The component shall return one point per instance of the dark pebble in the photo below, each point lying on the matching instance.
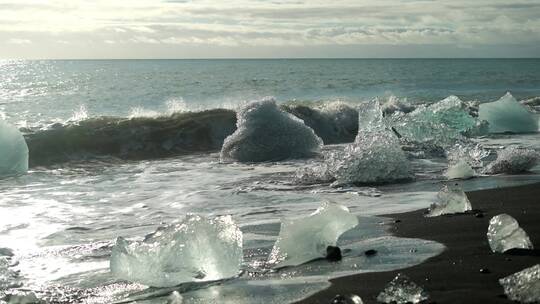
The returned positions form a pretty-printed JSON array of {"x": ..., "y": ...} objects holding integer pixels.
[
  {"x": 479, "y": 215},
  {"x": 397, "y": 221},
  {"x": 333, "y": 253},
  {"x": 370, "y": 252},
  {"x": 484, "y": 270},
  {"x": 339, "y": 299}
]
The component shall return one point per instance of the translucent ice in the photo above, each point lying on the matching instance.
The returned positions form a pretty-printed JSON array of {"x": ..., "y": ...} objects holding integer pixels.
[
  {"x": 175, "y": 298},
  {"x": 504, "y": 233},
  {"x": 508, "y": 115},
  {"x": 394, "y": 104},
  {"x": 512, "y": 160},
  {"x": 449, "y": 201},
  {"x": 375, "y": 157},
  {"x": 441, "y": 123},
  {"x": 13, "y": 151},
  {"x": 266, "y": 133},
  {"x": 196, "y": 249},
  {"x": 401, "y": 290},
  {"x": 523, "y": 286},
  {"x": 304, "y": 239},
  {"x": 459, "y": 170},
  {"x": 471, "y": 154}
]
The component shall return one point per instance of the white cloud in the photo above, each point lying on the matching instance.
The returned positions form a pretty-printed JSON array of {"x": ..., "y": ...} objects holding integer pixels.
[
  {"x": 18, "y": 41},
  {"x": 292, "y": 23}
]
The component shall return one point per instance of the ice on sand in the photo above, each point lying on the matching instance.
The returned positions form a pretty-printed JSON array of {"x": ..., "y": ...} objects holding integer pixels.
[
  {"x": 266, "y": 133},
  {"x": 402, "y": 290},
  {"x": 306, "y": 238},
  {"x": 523, "y": 286},
  {"x": 196, "y": 249},
  {"x": 13, "y": 151},
  {"x": 449, "y": 200},
  {"x": 508, "y": 115},
  {"x": 459, "y": 170},
  {"x": 504, "y": 233}
]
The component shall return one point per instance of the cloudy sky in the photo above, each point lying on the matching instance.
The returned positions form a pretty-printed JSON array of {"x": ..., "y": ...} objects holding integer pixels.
[{"x": 268, "y": 28}]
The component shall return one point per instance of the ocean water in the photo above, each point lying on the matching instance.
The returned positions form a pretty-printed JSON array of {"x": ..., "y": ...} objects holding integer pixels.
[{"x": 61, "y": 219}]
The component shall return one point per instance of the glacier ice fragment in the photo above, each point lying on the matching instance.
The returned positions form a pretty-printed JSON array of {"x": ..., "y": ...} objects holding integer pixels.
[
  {"x": 441, "y": 124},
  {"x": 513, "y": 159},
  {"x": 306, "y": 238},
  {"x": 459, "y": 170},
  {"x": 450, "y": 200},
  {"x": 504, "y": 233},
  {"x": 266, "y": 133},
  {"x": 401, "y": 290},
  {"x": 13, "y": 151},
  {"x": 196, "y": 249},
  {"x": 394, "y": 104},
  {"x": 523, "y": 286},
  {"x": 508, "y": 115}
]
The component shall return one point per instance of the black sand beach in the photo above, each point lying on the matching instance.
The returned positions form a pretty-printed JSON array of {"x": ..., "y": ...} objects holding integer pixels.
[{"x": 455, "y": 276}]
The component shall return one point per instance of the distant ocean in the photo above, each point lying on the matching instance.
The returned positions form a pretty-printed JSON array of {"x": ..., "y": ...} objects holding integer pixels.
[{"x": 123, "y": 147}]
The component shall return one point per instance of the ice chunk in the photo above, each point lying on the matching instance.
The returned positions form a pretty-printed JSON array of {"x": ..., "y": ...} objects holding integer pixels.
[
  {"x": 512, "y": 160},
  {"x": 13, "y": 151},
  {"x": 306, "y": 238},
  {"x": 196, "y": 249},
  {"x": 441, "y": 124},
  {"x": 401, "y": 290},
  {"x": 266, "y": 133},
  {"x": 504, "y": 233},
  {"x": 523, "y": 286},
  {"x": 472, "y": 154},
  {"x": 376, "y": 157},
  {"x": 22, "y": 297},
  {"x": 459, "y": 170},
  {"x": 508, "y": 115},
  {"x": 449, "y": 201}
]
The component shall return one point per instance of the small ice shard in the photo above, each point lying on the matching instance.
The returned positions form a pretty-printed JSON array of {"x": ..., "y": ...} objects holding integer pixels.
[
  {"x": 459, "y": 170},
  {"x": 175, "y": 298},
  {"x": 523, "y": 286},
  {"x": 504, "y": 234},
  {"x": 449, "y": 201},
  {"x": 401, "y": 290},
  {"x": 196, "y": 249},
  {"x": 472, "y": 154},
  {"x": 508, "y": 115},
  {"x": 266, "y": 133},
  {"x": 13, "y": 151},
  {"x": 370, "y": 116},
  {"x": 306, "y": 238},
  {"x": 513, "y": 160}
]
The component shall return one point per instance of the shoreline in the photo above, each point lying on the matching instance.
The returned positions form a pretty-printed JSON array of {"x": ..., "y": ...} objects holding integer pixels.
[{"x": 454, "y": 276}]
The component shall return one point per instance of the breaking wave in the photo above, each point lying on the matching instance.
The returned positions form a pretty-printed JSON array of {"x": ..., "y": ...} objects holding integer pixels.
[{"x": 146, "y": 134}]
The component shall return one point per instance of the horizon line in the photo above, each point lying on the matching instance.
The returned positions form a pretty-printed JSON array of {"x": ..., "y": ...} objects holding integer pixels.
[{"x": 277, "y": 58}]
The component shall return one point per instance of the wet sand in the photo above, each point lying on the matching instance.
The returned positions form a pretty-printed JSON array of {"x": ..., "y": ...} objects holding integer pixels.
[{"x": 454, "y": 276}]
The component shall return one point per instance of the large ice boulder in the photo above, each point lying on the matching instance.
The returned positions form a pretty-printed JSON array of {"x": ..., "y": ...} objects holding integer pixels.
[
  {"x": 504, "y": 234},
  {"x": 306, "y": 238},
  {"x": 13, "y": 151},
  {"x": 508, "y": 115},
  {"x": 523, "y": 286},
  {"x": 513, "y": 159},
  {"x": 401, "y": 290},
  {"x": 266, "y": 133},
  {"x": 440, "y": 124},
  {"x": 450, "y": 200},
  {"x": 196, "y": 249}
]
